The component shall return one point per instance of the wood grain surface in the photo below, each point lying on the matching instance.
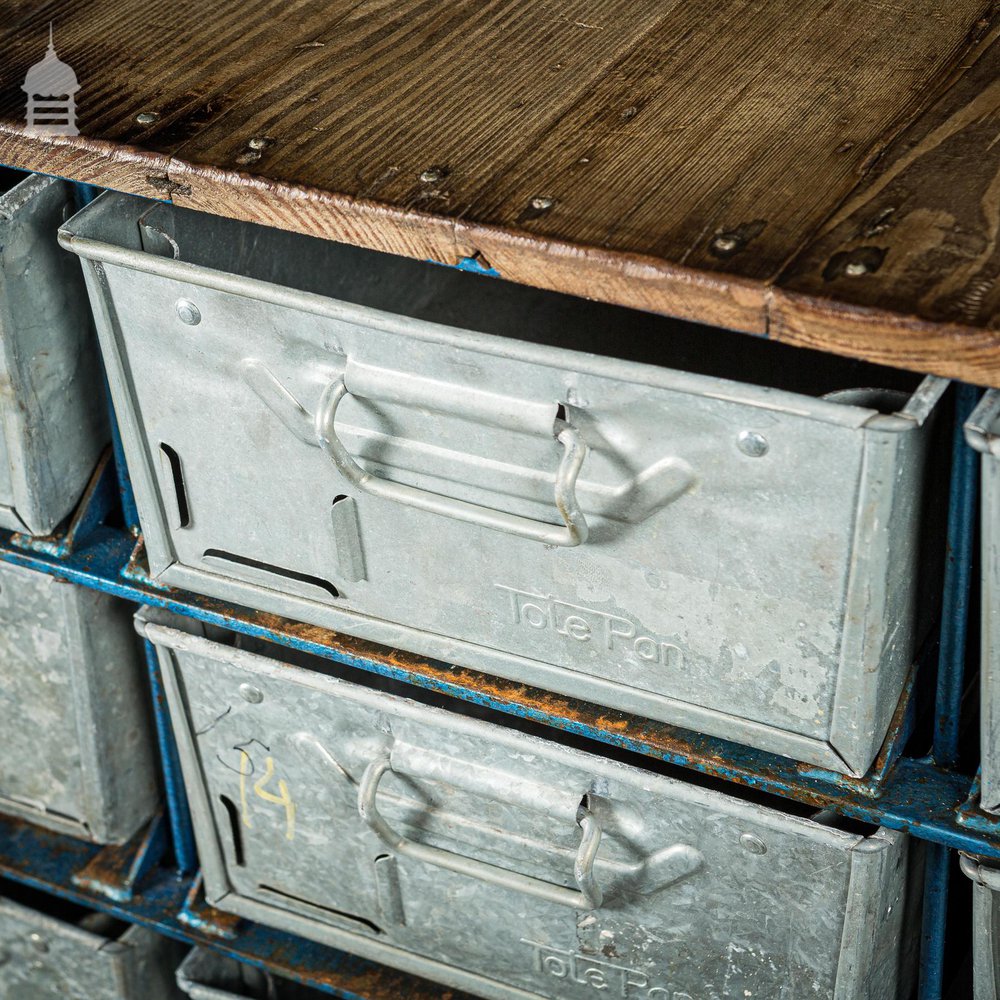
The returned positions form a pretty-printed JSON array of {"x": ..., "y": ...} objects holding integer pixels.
[{"x": 821, "y": 172}]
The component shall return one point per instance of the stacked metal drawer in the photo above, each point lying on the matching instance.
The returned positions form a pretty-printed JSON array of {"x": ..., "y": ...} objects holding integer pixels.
[
  {"x": 76, "y": 754},
  {"x": 53, "y": 419},
  {"x": 568, "y": 496},
  {"x": 507, "y": 865},
  {"x": 738, "y": 559},
  {"x": 75, "y": 954}
]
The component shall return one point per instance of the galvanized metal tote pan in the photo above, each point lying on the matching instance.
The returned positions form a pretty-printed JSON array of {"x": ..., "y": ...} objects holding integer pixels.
[
  {"x": 81, "y": 955},
  {"x": 982, "y": 431},
  {"x": 53, "y": 416},
  {"x": 77, "y": 751},
  {"x": 738, "y": 559},
  {"x": 509, "y": 865}
]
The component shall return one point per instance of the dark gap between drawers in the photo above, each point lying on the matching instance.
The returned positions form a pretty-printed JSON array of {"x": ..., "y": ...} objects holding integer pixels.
[
  {"x": 425, "y": 291},
  {"x": 94, "y": 921}
]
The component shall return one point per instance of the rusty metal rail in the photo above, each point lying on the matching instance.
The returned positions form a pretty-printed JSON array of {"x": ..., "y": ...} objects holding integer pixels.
[{"x": 934, "y": 803}]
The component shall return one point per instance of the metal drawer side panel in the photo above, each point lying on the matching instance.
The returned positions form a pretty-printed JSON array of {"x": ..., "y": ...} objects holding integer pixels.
[
  {"x": 77, "y": 755},
  {"x": 53, "y": 413},
  {"x": 49, "y": 959},
  {"x": 889, "y": 557},
  {"x": 982, "y": 431},
  {"x": 781, "y": 664},
  {"x": 985, "y": 943},
  {"x": 290, "y": 848}
]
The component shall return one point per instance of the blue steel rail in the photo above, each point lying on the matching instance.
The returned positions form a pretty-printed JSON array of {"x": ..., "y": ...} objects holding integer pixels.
[{"x": 915, "y": 795}]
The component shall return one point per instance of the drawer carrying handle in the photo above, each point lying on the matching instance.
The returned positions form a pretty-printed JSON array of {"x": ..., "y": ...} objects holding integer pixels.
[
  {"x": 573, "y": 531},
  {"x": 589, "y": 896}
]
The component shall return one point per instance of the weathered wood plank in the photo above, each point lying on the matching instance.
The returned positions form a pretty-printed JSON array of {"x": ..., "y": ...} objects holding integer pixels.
[
  {"x": 920, "y": 238},
  {"x": 732, "y": 130},
  {"x": 625, "y": 279},
  {"x": 664, "y": 155}
]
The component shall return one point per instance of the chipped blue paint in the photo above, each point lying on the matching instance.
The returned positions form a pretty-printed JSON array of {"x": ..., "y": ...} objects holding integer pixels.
[{"x": 471, "y": 264}]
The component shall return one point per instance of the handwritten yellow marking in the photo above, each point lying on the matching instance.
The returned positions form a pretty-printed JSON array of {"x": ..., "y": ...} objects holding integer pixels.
[
  {"x": 282, "y": 799},
  {"x": 246, "y": 767}
]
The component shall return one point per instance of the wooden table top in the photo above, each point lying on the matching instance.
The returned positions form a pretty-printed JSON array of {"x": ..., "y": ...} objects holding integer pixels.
[{"x": 822, "y": 172}]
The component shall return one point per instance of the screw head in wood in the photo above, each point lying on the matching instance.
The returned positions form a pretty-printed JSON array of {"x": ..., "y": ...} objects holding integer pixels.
[
  {"x": 855, "y": 268},
  {"x": 725, "y": 243},
  {"x": 433, "y": 175}
]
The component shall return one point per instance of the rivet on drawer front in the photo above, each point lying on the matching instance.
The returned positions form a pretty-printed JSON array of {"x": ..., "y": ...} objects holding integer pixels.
[
  {"x": 752, "y": 844},
  {"x": 753, "y": 444},
  {"x": 38, "y": 942},
  {"x": 251, "y": 694},
  {"x": 188, "y": 312}
]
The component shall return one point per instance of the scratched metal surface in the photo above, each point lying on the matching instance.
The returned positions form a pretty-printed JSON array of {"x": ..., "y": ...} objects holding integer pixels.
[
  {"x": 452, "y": 848},
  {"x": 46, "y": 957},
  {"x": 53, "y": 420},
  {"x": 793, "y": 518},
  {"x": 76, "y": 752}
]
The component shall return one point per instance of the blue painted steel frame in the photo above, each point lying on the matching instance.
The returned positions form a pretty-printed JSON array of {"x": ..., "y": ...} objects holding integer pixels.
[
  {"x": 950, "y": 680},
  {"x": 906, "y": 794},
  {"x": 922, "y": 796}
]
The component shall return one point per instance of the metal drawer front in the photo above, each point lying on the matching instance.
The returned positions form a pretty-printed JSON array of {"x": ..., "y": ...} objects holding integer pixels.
[
  {"x": 982, "y": 431},
  {"x": 53, "y": 421},
  {"x": 46, "y": 958},
  {"x": 207, "y": 975},
  {"x": 735, "y": 559},
  {"x": 76, "y": 753},
  {"x": 508, "y": 865}
]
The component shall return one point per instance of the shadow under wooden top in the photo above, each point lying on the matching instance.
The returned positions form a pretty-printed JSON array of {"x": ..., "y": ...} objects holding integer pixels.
[{"x": 821, "y": 172}]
